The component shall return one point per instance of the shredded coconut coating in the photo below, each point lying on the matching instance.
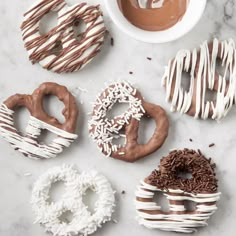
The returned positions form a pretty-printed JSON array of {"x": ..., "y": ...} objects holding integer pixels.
[{"x": 83, "y": 222}]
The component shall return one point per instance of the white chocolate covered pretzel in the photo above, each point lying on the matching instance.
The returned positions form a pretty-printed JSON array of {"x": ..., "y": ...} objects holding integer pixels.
[
  {"x": 59, "y": 49},
  {"x": 76, "y": 184}
]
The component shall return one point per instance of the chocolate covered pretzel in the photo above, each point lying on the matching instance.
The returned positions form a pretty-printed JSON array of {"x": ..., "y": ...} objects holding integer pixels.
[
  {"x": 49, "y": 214},
  {"x": 202, "y": 66},
  {"x": 39, "y": 120},
  {"x": 60, "y": 50},
  {"x": 201, "y": 189},
  {"x": 103, "y": 130}
]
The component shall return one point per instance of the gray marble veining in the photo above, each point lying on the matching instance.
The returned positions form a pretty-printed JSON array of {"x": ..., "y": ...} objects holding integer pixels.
[{"x": 18, "y": 75}]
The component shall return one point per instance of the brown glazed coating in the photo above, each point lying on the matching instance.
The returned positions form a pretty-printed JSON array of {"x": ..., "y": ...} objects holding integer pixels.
[
  {"x": 134, "y": 151},
  {"x": 154, "y": 19},
  {"x": 192, "y": 109},
  {"x": 187, "y": 161},
  {"x": 34, "y": 103}
]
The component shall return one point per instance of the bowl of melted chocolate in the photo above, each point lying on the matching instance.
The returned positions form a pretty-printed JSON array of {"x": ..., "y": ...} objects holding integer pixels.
[{"x": 156, "y": 21}]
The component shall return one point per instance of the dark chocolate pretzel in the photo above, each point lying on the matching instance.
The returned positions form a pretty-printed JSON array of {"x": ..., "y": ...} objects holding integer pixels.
[
  {"x": 201, "y": 65},
  {"x": 201, "y": 189},
  {"x": 102, "y": 130},
  {"x": 59, "y": 49},
  {"x": 39, "y": 120}
]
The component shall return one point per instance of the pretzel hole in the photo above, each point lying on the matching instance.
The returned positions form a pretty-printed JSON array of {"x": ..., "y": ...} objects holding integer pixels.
[
  {"x": 21, "y": 118},
  {"x": 221, "y": 69},
  {"x": 89, "y": 199},
  {"x": 52, "y": 105},
  {"x": 56, "y": 50},
  {"x": 184, "y": 174},
  {"x": 119, "y": 140},
  {"x": 66, "y": 217},
  {"x": 146, "y": 127},
  {"x": 185, "y": 81},
  {"x": 117, "y": 110},
  {"x": 161, "y": 200},
  {"x": 79, "y": 27},
  {"x": 46, "y": 137},
  {"x": 210, "y": 95},
  {"x": 190, "y": 206},
  {"x": 48, "y": 22},
  {"x": 56, "y": 191}
]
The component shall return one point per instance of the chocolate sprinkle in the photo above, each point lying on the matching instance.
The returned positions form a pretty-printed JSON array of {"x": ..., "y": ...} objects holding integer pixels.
[
  {"x": 131, "y": 72},
  {"x": 149, "y": 58},
  {"x": 123, "y": 192},
  {"x": 190, "y": 140},
  {"x": 212, "y": 145},
  {"x": 112, "y": 41},
  {"x": 178, "y": 161}
]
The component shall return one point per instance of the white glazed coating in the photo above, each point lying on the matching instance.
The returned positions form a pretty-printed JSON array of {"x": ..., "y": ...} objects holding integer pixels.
[
  {"x": 83, "y": 222},
  {"x": 28, "y": 144},
  {"x": 181, "y": 100},
  {"x": 102, "y": 130},
  {"x": 78, "y": 53},
  {"x": 177, "y": 220}
]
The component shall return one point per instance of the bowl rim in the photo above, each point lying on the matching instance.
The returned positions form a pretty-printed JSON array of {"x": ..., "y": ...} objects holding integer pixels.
[{"x": 190, "y": 19}]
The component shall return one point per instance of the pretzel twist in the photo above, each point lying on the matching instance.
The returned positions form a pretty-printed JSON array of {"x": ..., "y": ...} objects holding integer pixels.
[
  {"x": 39, "y": 120},
  {"x": 76, "y": 184},
  {"x": 200, "y": 189},
  {"x": 103, "y": 131},
  {"x": 74, "y": 54},
  {"x": 201, "y": 65}
]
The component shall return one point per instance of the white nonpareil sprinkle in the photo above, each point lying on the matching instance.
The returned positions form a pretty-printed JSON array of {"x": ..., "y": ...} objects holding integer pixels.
[
  {"x": 101, "y": 129},
  {"x": 83, "y": 222}
]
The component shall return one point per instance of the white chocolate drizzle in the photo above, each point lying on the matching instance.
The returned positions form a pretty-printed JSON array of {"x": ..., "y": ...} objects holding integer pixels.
[
  {"x": 76, "y": 184},
  {"x": 177, "y": 219},
  {"x": 28, "y": 144},
  {"x": 202, "y": 69},
  {"x": 153, "y": 3},
  {"x": 102, "y": 130}
]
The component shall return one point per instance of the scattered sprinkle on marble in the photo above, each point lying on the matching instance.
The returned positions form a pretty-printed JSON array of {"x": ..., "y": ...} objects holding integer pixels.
[
  {"x": 123, "y": 192},
  {"x": 27, "y": 174},
  {"x": 149, "y": 58},
  {"x": 199, "y": 151},
  {"x": 82, "y": 90},
  {"x": 211, "y": 145},
  {"x": 190, "y": 140},
  {"x": 112, "y": 41},
  {"x": 131, "y": 72}
]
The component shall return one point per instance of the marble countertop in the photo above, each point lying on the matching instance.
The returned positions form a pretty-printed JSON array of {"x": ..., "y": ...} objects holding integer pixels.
[{"x": 114, "y": 62}]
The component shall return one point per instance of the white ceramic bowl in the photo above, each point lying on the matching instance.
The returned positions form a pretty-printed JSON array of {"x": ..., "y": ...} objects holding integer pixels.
[{"x": 190, "y": 19}]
